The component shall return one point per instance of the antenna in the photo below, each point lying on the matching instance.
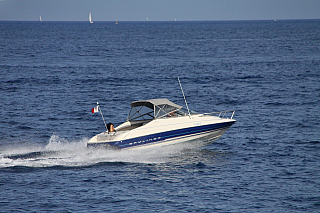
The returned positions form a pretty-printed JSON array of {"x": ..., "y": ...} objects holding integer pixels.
[
  {"x": 102, "y": 115},
  {"x": 185, "y": 100}
]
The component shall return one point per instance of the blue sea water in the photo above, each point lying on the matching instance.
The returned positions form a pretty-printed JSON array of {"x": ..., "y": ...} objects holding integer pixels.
[{"x": 53, "y": 73}]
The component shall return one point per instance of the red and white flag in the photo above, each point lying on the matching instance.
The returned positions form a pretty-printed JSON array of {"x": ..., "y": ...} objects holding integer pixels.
[{"x": 96, "y": 109}]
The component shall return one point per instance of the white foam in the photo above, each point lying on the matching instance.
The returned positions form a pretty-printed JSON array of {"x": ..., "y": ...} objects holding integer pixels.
[{"x": 61, "y": 152}]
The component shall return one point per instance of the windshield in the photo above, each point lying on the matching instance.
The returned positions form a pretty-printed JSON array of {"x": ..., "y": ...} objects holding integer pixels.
[
  {"x": 184, "y": 112},
  {"x": 161, "y": 111}
]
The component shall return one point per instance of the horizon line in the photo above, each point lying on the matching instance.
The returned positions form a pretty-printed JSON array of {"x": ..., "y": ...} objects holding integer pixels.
[{"x": 169, "y": 20}]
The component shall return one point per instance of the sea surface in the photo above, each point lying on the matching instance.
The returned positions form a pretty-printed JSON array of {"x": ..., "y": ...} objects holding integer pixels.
[{"x": 54, "y": 73}]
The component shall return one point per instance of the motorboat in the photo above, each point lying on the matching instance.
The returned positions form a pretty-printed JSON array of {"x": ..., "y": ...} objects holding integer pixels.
[{"x": 160, "y": 122}]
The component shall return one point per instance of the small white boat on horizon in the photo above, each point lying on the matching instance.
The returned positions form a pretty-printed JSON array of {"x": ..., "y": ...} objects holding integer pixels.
[{"x": 90, "y": 18}]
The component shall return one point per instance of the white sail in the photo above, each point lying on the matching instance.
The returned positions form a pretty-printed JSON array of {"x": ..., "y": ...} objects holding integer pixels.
[
  {"x": 90, "y": 19},
  {"x": 40, "y": 19}
]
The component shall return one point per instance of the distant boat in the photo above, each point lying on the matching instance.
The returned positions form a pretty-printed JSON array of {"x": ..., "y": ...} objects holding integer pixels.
[
  {"x": 90, "y": 19},
  {"x": 40, "y": 19},
  {"x": 116, "y": 21}
]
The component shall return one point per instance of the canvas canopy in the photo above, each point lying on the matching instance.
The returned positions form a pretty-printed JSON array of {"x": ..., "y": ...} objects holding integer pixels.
[
  {"x": 150, "y": 103},
  {"x": 151, "y": 109}
]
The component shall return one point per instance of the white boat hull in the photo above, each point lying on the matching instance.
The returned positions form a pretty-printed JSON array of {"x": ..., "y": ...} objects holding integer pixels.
[
  {"x": 206, "y": 139},
  {"x": 163, "y": 132}
]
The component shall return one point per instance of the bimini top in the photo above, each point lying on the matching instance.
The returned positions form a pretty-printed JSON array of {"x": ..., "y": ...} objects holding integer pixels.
[
  {"x": 150, "y": 103},
  {"x": 151, "y": 109}
]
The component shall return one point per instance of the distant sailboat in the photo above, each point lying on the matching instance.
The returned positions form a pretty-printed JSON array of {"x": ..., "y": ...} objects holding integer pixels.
[
  {"x": 40, "y": 19},
  {"x": 116, "y": 21},
  {"x": 90, "y": 19}
]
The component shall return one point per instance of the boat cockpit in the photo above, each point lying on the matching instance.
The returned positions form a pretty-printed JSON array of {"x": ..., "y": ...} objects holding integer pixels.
[{"x": 142, "y": 112}]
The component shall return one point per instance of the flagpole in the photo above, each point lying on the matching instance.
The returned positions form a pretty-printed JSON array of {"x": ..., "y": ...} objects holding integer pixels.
[{"x": 102, "y": 115}]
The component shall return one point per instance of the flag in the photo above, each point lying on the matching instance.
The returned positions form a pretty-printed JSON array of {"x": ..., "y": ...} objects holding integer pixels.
[{"x": 96, "y": 109}]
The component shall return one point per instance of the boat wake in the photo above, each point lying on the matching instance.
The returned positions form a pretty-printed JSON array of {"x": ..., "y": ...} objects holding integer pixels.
[{"x": 60, "y": 152}]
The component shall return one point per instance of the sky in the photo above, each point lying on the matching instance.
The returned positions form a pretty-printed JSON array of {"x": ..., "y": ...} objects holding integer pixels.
[{"x": 158, "y": 10}]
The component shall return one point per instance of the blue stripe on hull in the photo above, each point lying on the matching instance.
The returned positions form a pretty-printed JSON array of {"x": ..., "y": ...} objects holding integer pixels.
[{"x": 154, "y": 138}]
